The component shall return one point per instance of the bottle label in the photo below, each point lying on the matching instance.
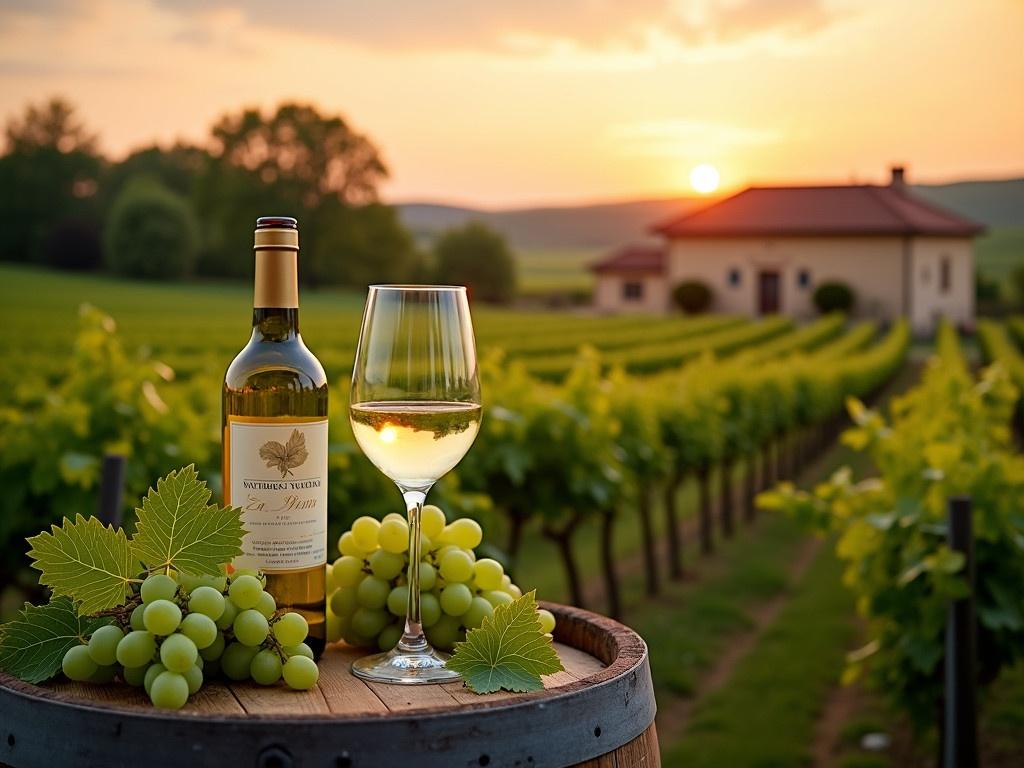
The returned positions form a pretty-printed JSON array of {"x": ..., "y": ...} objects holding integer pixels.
[{"x": 277, "y": 473}]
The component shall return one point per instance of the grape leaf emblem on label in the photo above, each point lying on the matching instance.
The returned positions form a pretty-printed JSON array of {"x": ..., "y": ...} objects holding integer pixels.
[{"x": 287, "y": 457}]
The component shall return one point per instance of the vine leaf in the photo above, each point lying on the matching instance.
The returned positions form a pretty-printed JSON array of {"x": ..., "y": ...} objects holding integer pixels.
[
  {"x": 86, "y": 561},
  {"x": 285, "y": 457},
  {"x": 508, "y": 651},
  {"x": 33, "y": 645},
  {"x": 178, "y": 527}
]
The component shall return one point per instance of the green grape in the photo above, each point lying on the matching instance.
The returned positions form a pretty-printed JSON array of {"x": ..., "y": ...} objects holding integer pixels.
[
  {"x": 547, "y": 620},
  {"x": 136, "y": 649},
  {"x": 354, "y": 638},
  {"x": 368, "y": 622},
  {"x": 159, "y": 586},
  {"x": 178, "y": 653},
  {"x": 514, "y": 591},
  {"x": 236, "y": 660},
  {"x": 214, "y": 649},
  {"x": 394, "y": 536},
  {"x": 329, "y": 577},
  {"x": 465, "y": 533},
  {"x": 348, "y": 571},
  {"x": 392, "y": 516},
  {"x": 227, "y": 618},
  {"x": 266, "y": 605},
  {"x": 428, "y": 577},
  {"x": 161, "y": 617},
  {"x": 291, "y": 629},
  {"x": 152, "y": 673},
  {"x": 372, "y": 592},
  {"x": 258, "y": 575},
  {"x": 135, "y": 676},
  {"x": 78, "y": 664},
  {"x": 194, "y": 677},
  {"x": 430, "y": 609},
  {"x": 398, "y": 599},
  {"x": 300, "y": 673},
  {"x": 103, "y": 645},
  {"x": 364, "y": 531},
  {"x": 389, "y": 637},
  {"x": 456, "y": 566},
  {"x": 207, "y": 601},
  {"x": 426, "y": 545},
  {"x": 104, "y": 674},
  {"x": 265, "y": 667},
  {"x": 496, "y": 598},
  {"x": 456, "y": 599},
  {"x": 200, "y": 629},
  {"x": 386, "y": 565},
  {"x": 443, "y": 551},
  {"x": 135, "y": 620},
  {"x": 190, "y": 583},
  {"x": 334, "y": 624},
  {"x": 347, "y": 546},
  {"x": 488, "y": 573},
  {"x": 343, "y": 602},
  {"x": 200, "y": 662},
  {"x": 479, "y": 609},
  {"x": 169, "y": 691},
  {"x": 251, "y": 627},
  {"x": 245, "y": 591},
  {"x": 444, "y": 633},
  {"x": 432, "y": 521},
  {"x": 298, "y": 650}
]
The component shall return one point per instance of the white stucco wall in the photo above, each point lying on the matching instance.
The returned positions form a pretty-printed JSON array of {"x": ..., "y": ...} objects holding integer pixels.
[
  {"x": 609, "y": 297},
  {"x": 872, "y": 266},
  {"x": 929, "y": 301}
]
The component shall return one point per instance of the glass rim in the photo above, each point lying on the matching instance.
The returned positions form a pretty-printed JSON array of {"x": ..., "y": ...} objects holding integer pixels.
[{"x": 414, "y": 287}]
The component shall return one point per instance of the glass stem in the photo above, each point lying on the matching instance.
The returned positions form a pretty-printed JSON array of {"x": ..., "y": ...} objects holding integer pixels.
[{"x": 413, "y": 639}]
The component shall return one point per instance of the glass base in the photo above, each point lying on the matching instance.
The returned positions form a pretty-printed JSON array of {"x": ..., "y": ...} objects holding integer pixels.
[{"x": 405, "y": 667}]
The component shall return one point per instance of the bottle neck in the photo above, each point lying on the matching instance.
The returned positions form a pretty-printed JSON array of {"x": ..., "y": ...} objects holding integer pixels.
[{"x": 275, "y": 323}]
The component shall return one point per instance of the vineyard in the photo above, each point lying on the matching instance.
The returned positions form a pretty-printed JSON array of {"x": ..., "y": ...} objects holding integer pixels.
[{"x": 618, "y": 457}]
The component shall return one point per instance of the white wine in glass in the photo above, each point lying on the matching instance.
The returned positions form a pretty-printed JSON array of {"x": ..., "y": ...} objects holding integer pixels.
[{"x": 415, "y": 411}]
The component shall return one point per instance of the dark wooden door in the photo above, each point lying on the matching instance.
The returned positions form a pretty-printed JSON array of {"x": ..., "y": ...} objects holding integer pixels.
[{"x": 769, "y": 286}]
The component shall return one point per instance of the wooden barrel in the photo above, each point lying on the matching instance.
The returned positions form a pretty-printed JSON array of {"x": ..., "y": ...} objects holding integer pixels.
[{"x": 598, "y": 712}]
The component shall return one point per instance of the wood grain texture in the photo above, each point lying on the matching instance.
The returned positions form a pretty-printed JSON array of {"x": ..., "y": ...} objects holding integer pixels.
[{"x": 599, "y": 710}]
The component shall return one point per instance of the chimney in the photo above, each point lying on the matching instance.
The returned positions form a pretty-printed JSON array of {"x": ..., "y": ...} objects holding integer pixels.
[{"x": 896, "y": 181}]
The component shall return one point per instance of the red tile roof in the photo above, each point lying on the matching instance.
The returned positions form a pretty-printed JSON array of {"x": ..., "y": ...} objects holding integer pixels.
[
  {"x": 804, "y": 211},
  {"x": 635, "y": 259}
]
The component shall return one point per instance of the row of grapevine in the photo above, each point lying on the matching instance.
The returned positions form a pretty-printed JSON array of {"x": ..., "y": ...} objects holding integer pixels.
[
  {"x": 602, "y": 445},
  {"x": 947, "y": 437}
]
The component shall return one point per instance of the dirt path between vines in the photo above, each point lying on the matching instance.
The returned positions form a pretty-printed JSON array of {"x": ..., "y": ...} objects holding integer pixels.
[{"x": 674, "y": 717}]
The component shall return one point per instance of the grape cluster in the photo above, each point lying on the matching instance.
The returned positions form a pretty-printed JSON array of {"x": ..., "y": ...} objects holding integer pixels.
[
  {"x": 369, "y": 588},
  {"x": 183, "y": 628}
]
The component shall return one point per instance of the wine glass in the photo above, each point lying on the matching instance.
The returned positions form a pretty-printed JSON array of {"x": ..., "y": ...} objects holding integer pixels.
[{"x": 415, "y": 411}]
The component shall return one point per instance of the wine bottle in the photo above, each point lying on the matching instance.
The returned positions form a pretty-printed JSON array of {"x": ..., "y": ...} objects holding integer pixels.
[{"x": 274, "y": 423}]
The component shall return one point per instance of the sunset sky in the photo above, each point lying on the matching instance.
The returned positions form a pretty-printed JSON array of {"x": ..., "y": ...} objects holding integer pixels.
[{"x": 531, "y": 101}]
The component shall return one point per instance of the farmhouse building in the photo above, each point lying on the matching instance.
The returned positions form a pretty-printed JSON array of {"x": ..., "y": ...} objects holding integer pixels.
[{"x": 765, "y": 249}]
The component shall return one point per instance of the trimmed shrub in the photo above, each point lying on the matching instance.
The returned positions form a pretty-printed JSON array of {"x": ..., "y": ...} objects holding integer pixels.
[
  {"x": 834, "y": 297},
  {"x": 479, "y": 258},
  {"x": 692, "y": 296},
  {"x": 151, "y": 233}
]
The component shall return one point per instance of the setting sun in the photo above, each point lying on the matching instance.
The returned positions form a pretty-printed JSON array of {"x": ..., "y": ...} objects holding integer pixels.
[{"x": 704, "y": 178}]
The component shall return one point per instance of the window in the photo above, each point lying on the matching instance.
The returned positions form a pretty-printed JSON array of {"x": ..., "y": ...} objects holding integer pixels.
[
  {"x": 632, "y": 291},
  {"x": 945, "y": 275},
  {"x": 734, "y": 277},
  {"x": 803, "y": 278}
]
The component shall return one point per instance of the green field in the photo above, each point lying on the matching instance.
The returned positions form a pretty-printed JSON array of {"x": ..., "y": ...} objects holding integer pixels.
[
  {"x": 1000, "y": 252},
  {"x": 555, "y": 270}
]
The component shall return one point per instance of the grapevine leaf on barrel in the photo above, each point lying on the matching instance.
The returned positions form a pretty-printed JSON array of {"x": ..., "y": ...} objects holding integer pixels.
[
  {"x": 508, "y": 651},
  {"x": 86, "y": 561},
  {"x": 177, "y": 526},
  {"x": 32, "y": 645}
]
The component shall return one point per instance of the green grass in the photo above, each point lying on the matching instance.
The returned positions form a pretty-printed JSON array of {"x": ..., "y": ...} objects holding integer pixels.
[
  {"x": 766, "y": 715},
  {"x": 549, "y": 270}
]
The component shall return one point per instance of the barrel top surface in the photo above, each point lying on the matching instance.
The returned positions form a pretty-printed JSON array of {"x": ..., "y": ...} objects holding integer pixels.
[
  {"x": 592, "y": 649},
  {"x": 603, "y": 700}
]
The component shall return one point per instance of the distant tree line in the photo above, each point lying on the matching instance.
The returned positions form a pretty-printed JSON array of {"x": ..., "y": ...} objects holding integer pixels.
[{"x": 189, "y": 210}]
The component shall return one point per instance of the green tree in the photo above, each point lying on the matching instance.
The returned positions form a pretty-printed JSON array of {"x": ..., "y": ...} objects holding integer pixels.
[
  {"x": 151, "y": 232},
  {"x": 478, "y": 257},
  {"x": 49, "y": 179}
]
